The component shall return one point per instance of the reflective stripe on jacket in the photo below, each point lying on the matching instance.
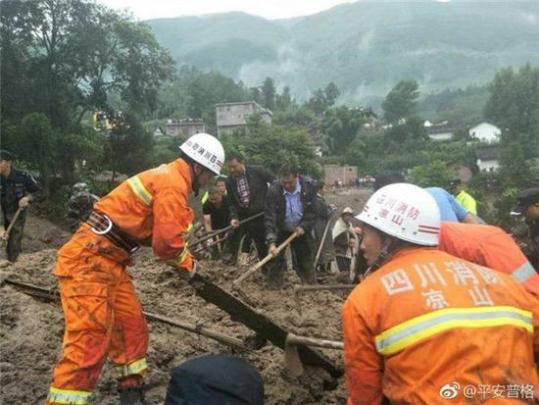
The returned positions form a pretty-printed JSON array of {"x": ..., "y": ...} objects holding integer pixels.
[
  {"x": 427, "y": 319},
  {"x": 491, "y": 247},
  {"x": 154, "y": 204}
]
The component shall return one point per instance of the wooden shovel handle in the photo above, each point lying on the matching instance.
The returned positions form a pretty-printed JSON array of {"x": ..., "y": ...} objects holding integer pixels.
[
  {"x": 309, "y": 341},
  {"x": 265, "y": 259},
  {"x": 223, "y": 230},
  {"x": 11, "y": 223}
]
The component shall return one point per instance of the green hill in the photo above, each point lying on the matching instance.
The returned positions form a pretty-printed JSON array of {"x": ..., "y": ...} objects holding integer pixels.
[{"x": 364, "y": 47}]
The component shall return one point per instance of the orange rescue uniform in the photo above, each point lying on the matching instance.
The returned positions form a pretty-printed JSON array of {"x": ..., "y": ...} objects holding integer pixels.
[
  {"x": 103, "y": 316},
  {"x": 427, "y": 322},
  {"x": 491, "y": 247}
]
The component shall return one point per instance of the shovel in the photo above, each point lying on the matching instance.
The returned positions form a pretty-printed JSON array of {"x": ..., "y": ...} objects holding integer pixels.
[
  {"x": 324, "y": 234},
  {"x": 266, "y": 259},
  {"x": 5, "y": 237},
  {"x": 226, "y": 229},
  {"x": 355, "y": 251},
  {"x": 292, "y": 360}
]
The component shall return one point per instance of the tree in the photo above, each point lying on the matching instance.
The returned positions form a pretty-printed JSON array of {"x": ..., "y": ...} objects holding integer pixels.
[
  {"x": 515, "y": 169},
  {"x": 73, "y": 55},
  {"x": 36, "y": 142},
  {"x": 129, "y": 147},
  {"x": 401, "y": 101},
  {"x": 268, "y": 93},
  {"x": 341, "y": 125},
  {"x": 433, "y": 174},
  {"x": 324, "y": 99},
  {"x": 284, "y": 100},
  {"x": 271, "y": 147},
  {"x": 331, "y": 93},
  {"x": 513, "y": 105},
  {"x": 407, "y": 135}
]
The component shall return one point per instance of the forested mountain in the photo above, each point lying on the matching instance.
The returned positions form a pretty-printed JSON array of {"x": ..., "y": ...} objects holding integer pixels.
[{"x": 364, "y": 47}]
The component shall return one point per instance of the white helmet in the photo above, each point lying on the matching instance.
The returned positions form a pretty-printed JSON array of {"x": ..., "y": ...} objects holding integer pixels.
[
  {"x": 404, "y": 211},
  {"x": 206, "y": 150}
]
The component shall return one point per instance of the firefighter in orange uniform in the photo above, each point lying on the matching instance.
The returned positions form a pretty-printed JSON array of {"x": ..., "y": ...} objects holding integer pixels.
[
  {"x": 103, "y": 317},
  {"x": 491, "y": 247},
  {"x": 426, "y": 324}
]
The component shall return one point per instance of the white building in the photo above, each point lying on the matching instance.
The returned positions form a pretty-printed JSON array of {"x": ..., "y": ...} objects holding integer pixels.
[
  {"x": 487, "y": 158},
  {"x": 485, "y": 132},
  {"x": 234, "y": 116}
]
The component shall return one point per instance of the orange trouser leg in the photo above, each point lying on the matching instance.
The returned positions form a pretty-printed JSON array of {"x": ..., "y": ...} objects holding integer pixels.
[
  {"x": 129, "y": 341},
  {"x": 89, "y": 295}
]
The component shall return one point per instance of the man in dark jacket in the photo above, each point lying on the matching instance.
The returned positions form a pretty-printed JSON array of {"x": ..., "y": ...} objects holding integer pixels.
[
  {"x": 528, "y": 207},
  {"x": 17, "y": 189},
  {"x": 291, "y": 206},
  {"x": 246, "y": 192}
]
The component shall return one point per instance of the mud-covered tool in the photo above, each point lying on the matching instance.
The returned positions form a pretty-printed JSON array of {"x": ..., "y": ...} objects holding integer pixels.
[
  {"x": 299, "y": 289},
  {"x": 266, "y": 259},
  {"x": 223, "y": 230},
  {"x": 261, "y": 324},
  {"x": 322, "y": 241},
  {"x": 199, "y": 329},
  {"x": 293, "y": 345}
]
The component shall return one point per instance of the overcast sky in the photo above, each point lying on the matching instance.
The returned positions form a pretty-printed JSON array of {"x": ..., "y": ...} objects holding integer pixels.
[{"x": 271, "y": 9}]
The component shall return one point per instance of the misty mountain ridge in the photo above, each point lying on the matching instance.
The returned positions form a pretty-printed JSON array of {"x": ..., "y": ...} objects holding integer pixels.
[{"x": 364, "y": 47}]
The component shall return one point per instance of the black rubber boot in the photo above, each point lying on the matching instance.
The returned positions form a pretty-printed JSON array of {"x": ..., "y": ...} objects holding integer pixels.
[{"x": 132, "y": 396}]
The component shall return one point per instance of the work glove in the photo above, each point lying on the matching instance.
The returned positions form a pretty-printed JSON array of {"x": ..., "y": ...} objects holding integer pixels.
[{"x": 186, "y": 274}]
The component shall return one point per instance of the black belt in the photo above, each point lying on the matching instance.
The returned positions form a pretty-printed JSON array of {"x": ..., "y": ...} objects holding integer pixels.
[{"x": 101, "y": 224}]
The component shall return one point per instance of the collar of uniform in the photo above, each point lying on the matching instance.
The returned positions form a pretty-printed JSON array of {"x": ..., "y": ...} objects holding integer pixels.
[
  {"x": 185, "y": 171},
  {"x": 297, "y": 190},
  {"x": 407, "y": 251}
]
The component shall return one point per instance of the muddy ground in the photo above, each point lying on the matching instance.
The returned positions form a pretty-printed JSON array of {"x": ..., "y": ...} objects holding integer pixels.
[{"x": 31, "y": 329}]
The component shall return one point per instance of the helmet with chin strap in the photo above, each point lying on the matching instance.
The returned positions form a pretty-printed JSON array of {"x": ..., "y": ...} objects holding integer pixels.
[{"x": 206, "y": 150}]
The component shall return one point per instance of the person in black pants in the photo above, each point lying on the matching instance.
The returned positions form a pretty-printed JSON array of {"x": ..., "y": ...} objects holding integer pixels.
[
  {"x": 291, "y": 206},
  {"x": 17, "y": 189},
  {"x": 246, "y": 192}
]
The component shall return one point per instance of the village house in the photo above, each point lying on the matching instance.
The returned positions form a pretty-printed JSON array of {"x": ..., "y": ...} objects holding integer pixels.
[
  {"x": 185, "y": 128},
  {"x": 487, "y": 158},
  {"x": 343, "y": 175},
  {"x": 231, "y": 117},
  {"x": 485, "y": 132}
]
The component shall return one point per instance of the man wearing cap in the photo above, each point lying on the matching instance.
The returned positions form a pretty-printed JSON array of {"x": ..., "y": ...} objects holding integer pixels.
[
  {"x": 528, "y": 206},
  {"x": 18, "y": 189}
]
